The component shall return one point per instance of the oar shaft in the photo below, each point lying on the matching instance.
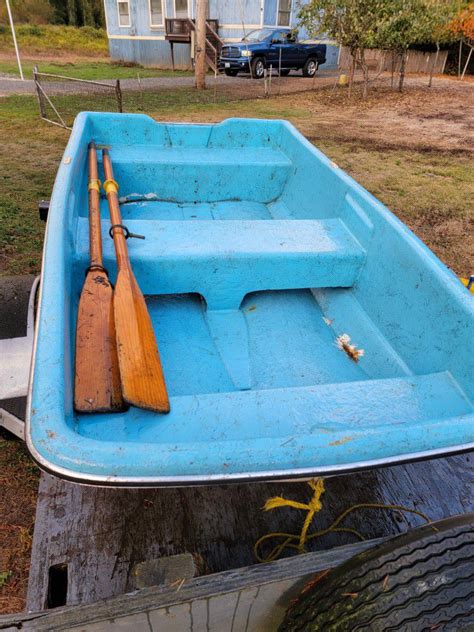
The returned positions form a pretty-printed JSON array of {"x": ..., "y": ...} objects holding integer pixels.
[
  {"x": 111, "y": 189},
  {"x": 95, "y": 239}
]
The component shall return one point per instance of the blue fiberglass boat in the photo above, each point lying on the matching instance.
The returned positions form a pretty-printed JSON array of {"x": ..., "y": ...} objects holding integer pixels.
[{"x": 302, "y": 328}]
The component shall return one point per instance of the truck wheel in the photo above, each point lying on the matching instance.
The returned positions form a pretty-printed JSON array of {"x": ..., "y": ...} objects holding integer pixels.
[
  {"x": 421, "y": 580},
  {"x": 231, "y": 72},
  {"x": 310, "y": 67},
  {"x": 257, "y": 67}
]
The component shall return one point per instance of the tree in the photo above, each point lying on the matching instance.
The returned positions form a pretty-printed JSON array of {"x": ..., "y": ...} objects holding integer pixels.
[
  {"x": 33, "y": 11},
  {"x": 352, "y": 23},
  {"x": 79, "y": 12},
  {"x": 462, "y": 27},
  {"x": 437, "y": 22},
  {"x": 87, "y": 13},
  {"x": 405, "y": 23},
  {"x": 72, "y": 13}
]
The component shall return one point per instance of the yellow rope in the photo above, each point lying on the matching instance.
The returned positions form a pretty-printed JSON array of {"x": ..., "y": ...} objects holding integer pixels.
[{"x": 298, "y": 542}]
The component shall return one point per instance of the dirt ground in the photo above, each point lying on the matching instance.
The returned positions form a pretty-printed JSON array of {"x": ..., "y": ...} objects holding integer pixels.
[
  {"x": 18, "y": 490},
  {"x": 440, "y": 119},
  {"x": 414, "y": 151}
]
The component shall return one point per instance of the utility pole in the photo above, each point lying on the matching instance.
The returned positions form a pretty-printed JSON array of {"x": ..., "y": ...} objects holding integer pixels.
[
  {"x": 12, "y": 26},
  {"x": 200, "y": 55}
]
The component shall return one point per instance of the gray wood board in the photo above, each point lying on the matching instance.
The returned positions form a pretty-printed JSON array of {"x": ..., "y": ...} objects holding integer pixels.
[
  {"x": 251, "y": 598},
  {"x": 101, "y": 533},
  {"x": 14, "y": 299}
]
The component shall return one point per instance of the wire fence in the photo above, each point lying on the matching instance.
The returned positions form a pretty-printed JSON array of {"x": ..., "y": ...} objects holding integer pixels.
[
  {"x": 60, "y": 98},
  {"x": 388, "y": 61}
]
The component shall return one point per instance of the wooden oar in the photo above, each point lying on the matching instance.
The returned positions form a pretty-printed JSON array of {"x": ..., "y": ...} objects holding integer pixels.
[
  {"x": 143, "y": 384},
  {"x": 97, "y": 377}
]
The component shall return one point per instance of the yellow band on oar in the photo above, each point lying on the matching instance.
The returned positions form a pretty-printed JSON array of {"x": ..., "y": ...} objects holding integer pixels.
[
  {"x": 466, "y": 283},
  {"x": 94, "y": 185},
  {"x": 110, "y": 186}
]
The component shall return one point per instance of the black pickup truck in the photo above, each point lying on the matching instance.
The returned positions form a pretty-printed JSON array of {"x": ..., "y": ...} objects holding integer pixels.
[{"x": 274, "y": 47}]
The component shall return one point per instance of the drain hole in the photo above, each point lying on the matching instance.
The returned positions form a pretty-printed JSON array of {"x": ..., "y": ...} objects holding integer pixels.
[{"x": 57, "y": 586}]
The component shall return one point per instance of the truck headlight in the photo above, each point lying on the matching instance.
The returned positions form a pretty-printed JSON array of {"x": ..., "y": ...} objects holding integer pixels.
[{"x": 246, "y": 53}]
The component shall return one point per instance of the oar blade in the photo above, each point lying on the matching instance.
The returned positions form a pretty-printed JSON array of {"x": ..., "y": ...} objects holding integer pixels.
[
  {"x": 97, "y": 377},
  {"x": 143, "y": 383}
]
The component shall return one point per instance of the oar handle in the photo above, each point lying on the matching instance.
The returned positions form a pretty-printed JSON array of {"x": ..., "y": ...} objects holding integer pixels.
[
  {"x": 111, "y": 189},
  {"x": 95, "y": 239}
]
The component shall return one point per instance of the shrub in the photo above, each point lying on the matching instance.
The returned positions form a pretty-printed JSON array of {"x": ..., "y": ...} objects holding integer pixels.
[
  {"x": 54, "y": 38},
  {"x": 30, "y": 29}
]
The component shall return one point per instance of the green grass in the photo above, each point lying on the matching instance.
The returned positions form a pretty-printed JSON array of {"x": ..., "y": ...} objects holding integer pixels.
[
  {"x": 89, "y": 70},
  {"x": 29, "y": 158},
  {"x": 430, "y": 191},
  {"x": 4, "y": 577},
  {"x": 55, "y": 39}
]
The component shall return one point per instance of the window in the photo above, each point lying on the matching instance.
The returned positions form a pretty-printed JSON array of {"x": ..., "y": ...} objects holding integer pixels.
[
  {"x": 284, "y": 12},
  {"x": 181, "y": 8},
  {"x": 257, "y": 36},
  {"x": 279, "y": 37},
  {"x": 124, "y": 12},
  {"x": 156, "y": 12}
]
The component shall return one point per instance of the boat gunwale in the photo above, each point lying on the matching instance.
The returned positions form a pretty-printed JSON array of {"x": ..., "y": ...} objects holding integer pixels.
[{"x": 275, "y": 476}]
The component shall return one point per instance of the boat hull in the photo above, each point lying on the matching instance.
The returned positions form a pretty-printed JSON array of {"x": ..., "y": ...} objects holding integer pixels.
[{"x": 261, "y": 257}]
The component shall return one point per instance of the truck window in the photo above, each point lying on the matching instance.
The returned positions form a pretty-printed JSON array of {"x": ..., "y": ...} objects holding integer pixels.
[{"x": 280, "y": 37}]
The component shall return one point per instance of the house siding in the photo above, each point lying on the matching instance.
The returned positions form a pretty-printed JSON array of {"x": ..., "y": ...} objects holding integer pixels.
[
  {"x": 146, "y": 45},
  {"x": 150, "y": 53}
]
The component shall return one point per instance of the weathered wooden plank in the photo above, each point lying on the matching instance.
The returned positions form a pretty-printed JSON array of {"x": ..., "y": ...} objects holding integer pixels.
[
  {"x": 102, "y": 533},
  {"x": 257, "y": 594}
]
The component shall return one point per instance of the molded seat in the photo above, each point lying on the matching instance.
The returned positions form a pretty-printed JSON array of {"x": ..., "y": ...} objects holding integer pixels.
[
  {"x": 225, "y": 260},
  {"x": 196, "y": 174},
  {"x": 195, "y": 156}
]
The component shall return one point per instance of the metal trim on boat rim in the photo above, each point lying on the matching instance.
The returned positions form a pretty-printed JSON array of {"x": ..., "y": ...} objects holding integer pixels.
[{"x": 276, "y": 476}]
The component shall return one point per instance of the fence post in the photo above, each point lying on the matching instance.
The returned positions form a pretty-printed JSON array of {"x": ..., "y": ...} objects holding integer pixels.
[
  {"x": 444, "y": 62},
  {"x": 118, "y": 94},
  {"x": 38, "y": 93}
]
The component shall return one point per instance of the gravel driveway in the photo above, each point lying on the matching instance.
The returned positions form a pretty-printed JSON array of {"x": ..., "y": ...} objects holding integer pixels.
[{"x": 293, "y": 83}]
